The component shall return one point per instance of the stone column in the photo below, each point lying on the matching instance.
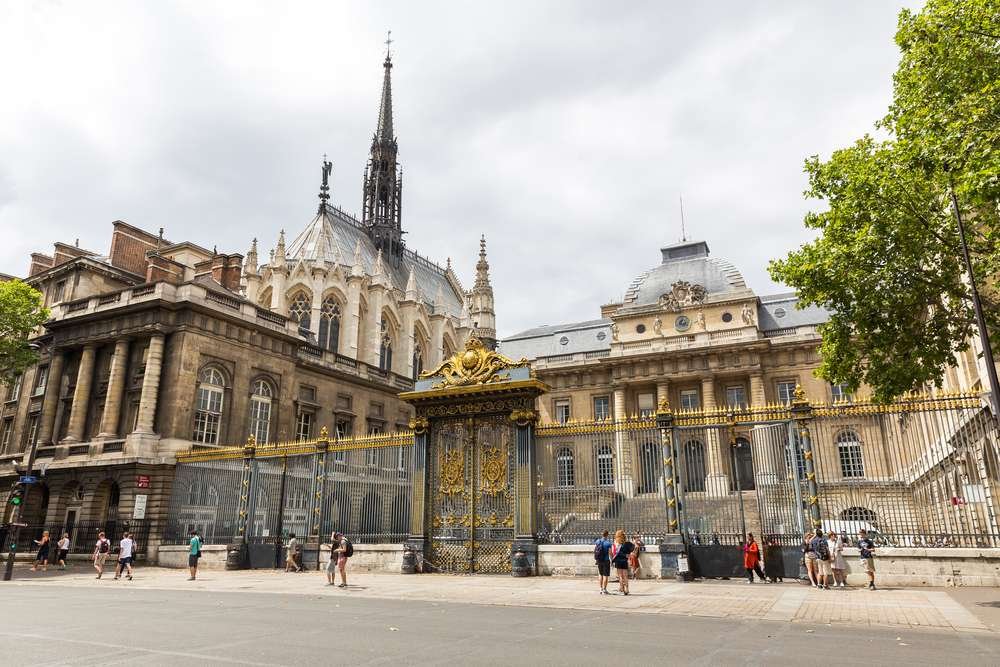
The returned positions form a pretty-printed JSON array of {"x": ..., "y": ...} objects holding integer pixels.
[
  {"x": 623, "y": 471},
  {"x": 437, "y": 341},
  {"x": 407, "y": 339},
  {"x": 51, "y": 401},
  {"x": 316, "y": 309},
  {"x": 350, "y": 345},
  {"x": 757, "y": 396},
  {"x": 116, "y": 389},
  {"x": 81, "y": 395},
  {"x": 373, "y": 345},
  {"x": 716, "y": 446},
  {"x": 150, "y": 386}
]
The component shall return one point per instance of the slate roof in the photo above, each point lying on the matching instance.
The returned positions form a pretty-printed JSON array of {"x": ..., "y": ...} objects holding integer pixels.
[
  {"x": 778, "y": 311},
  {"x": 333, "y": 235},
  {"x": 546, "y": 341},
  {"x": 687, "y": 261}
]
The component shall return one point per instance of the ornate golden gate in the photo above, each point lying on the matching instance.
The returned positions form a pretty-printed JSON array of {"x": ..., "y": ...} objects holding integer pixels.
[{"x": 471, "y": 500}]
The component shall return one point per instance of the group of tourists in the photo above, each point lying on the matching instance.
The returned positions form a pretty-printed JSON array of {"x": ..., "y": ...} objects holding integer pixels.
[
  {"x": 621, "y": 553},
  {"x": 126, "y": 555},
  {"x": 825, "y": 562},
  {"x": 341, "y": 549}
]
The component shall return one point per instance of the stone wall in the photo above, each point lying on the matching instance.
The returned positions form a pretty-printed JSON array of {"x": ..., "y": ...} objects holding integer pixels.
[{"x": 213, "y": 556}]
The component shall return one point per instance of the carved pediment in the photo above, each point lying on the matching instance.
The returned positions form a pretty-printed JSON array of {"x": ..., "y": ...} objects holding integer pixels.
[{"x": 682, "y": 294}]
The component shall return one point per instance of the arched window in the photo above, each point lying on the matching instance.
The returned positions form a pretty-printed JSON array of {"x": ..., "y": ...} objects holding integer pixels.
[
  {"x": 694, "y": 465},
  {"x": 260, "y": 411},
  {"x": 859, "y": 514},
  {"x": 849, "y": 448},
  {"x": 565, "y": 473},
  {"x": 209, "y": 406},
  {"x": 385, "y": 349},
  {"x": 329, "y": 324},
  {"x": 605, "y": 466},
  {"x": 418, "y": 362},
  {"x": 299, "y": 309}
]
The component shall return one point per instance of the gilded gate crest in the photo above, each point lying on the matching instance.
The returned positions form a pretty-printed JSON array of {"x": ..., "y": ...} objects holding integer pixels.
[
  {"x": 452, "y": 471},
  {"x": 494, "y": 471},
  {"x": 475, "y": 365}
]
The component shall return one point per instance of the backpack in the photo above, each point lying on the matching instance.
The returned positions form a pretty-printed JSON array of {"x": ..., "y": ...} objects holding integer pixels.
[
  {"x": 599, "y": 553},
  {"x": 349, "y": 548},
  {"x": 104, "y": 547},
  {"x": 823, "y": 551}
]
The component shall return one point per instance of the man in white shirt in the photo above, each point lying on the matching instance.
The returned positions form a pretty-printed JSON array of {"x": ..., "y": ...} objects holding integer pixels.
[{"x": 125, "y": 550}]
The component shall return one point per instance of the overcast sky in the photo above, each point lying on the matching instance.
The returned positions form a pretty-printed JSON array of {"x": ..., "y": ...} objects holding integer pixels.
[{"x": 564, "y": 132}]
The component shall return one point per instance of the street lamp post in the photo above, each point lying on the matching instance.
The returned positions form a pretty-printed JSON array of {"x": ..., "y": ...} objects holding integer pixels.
[{"x": 977, "y": 305}]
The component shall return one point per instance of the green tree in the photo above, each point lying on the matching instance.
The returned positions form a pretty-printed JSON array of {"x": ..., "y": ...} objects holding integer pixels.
[
  {"x": 887, "y": 258},
  {"x": 21, "y": 312}
]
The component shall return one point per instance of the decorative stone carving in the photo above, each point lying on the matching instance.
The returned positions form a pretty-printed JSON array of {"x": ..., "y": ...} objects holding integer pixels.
[
  {"x": 681, "y": 295},
  {"x": 658, "y": 326},
  {"x": 747, "y": 314},
  {"x": 614, "y": 331},
  {"x": 700, "y": 319}
]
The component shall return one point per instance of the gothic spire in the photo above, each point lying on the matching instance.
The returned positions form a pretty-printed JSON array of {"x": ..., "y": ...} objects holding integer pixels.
[
  {"x": 381, "y": 209},
  {"x": 482, "y": 267},
  {"x": 480, "y": 298}
]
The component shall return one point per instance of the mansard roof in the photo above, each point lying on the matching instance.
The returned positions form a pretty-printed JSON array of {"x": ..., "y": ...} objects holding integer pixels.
[{"x": 332, "y": 237}]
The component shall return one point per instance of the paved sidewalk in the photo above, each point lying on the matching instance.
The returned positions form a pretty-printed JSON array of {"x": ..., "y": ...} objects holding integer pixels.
[{"x": 789, "y": 602}]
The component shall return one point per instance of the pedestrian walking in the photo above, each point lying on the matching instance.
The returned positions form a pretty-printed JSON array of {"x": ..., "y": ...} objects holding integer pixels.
[
  {"x": 331, "y": 565},
  {"x": 634, "y": 563},
  {"x": 837, "y": 562},
  {"x": 751, "y": 559},
  {"x": 101, "y": 551},
  {"x": 602, "y": 548},
  {"x": 126, "y": 549},
  {"x": 344, "y": 550},
  {"x": 823, "y": 570},
  {"x": 63, "y": 550},
  {"x": 42, "y": 557},
  {"x": 194, "y": 554},
  {"x": 620, "y": 550},
  {"x": 866, "y": 548},
  {"x": 292, "y": 554},
  {"x": 774, "y": 564},
  {"x": 809, "y": 557}
]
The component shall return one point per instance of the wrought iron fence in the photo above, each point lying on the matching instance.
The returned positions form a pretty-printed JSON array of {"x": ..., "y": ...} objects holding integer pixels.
[
  {"x": 83, "y": 536},
  {"x": 264, "y": 494}
]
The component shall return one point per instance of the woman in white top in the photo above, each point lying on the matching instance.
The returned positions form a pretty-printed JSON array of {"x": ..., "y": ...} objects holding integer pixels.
[
  {"x": 63, "y": 550},
  {"x": 837, "y": 562}
]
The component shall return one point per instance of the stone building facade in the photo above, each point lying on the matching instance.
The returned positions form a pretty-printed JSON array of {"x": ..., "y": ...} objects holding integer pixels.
[{"x": 158, "y": 346}]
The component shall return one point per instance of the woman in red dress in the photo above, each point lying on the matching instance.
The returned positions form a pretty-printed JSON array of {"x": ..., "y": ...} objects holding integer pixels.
[{"x": 751, "y": 559}]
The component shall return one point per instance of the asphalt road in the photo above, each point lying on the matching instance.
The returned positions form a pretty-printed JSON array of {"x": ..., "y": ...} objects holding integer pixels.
[{"x": 57, "y": 625}]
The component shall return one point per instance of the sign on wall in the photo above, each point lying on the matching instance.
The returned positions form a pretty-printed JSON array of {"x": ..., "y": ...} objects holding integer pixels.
[
  {"x": 142, "y": 481},
  {"x": 140, "y": 507}
]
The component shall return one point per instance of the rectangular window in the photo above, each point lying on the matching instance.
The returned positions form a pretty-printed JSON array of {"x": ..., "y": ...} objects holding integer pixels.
[
  {"x": 646, "y": 404},
  {"x": 260, "y": 419},
  {"x": 7, "y": 435},
  {"x": 307, "y": 393},
  {"x": 562, "y": 412},
  {"x": 690, "y": 399},
  {"x": 605, "y": 466},
  {"x": 375, "y": 410},
  {"x": 602, "y": 408},
  {"x": 32, "y": 431},
  {"x": 58, "y": 291},
  {"x": 14, "y": 389},
  {"x": 343, "y": 402},
  {"x": 303, "y": 426},
  {"x": 736, "y": 396},
  {"x": 208, "y": 415},
  {"x": 41, "y": 379},
  {"x": 786, "y": 391},
  {"x": 841, "y": 393}
]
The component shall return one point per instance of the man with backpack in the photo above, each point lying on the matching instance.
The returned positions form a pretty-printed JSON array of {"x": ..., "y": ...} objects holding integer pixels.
[
  {"x": 601, "y": 557},
  {"x": 101, "y": 551},
  {"x": 824, "y": 572},
  {"x": 194, "y": 554},
  {"x": 342, "y": 550}
]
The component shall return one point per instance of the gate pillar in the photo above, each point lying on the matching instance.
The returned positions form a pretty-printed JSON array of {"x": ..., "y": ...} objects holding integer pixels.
[
  {"x": 802, "y": 414},
  {"x": 474, "y": 478},
  {"x": 672, "y": 544}
]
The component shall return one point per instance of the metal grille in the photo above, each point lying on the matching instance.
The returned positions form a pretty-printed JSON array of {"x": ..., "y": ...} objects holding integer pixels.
[
  {"x": 472, "y": 495},
  {"x": 601, "y": 476},
  {"x": 922, "y": 473},
  {"x": 205, "y": 497}
]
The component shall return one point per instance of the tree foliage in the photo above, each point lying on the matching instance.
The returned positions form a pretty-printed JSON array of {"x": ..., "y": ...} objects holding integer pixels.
[
  {"x": 21, "y": 312},
  {"x": 887, "y": 259}
]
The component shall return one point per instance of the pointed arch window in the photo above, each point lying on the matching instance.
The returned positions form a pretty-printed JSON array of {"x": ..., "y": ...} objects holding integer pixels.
[
  {"x": 329, "y": 324},
  {"x": 260, "y": 411},
  {"x": 299, "y": 310},
  {"x": 209, "y": 406},
  {"x": 385, "y": 349}
]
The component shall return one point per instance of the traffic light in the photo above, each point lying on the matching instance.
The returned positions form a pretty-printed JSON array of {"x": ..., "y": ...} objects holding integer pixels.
[{"x": 17, "y": 495}]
